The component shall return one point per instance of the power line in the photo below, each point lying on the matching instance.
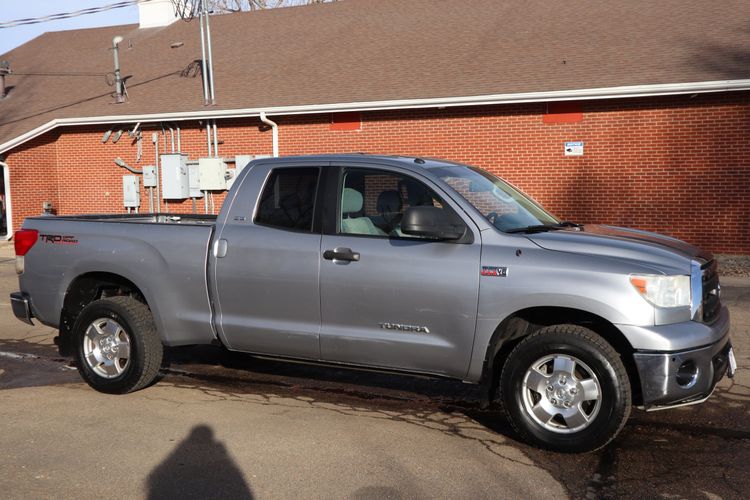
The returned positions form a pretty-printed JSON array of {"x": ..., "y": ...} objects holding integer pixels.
[{"x": 68, "y": 15}]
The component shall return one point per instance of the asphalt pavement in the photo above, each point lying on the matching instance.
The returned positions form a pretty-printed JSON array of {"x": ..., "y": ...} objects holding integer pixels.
[{"x": 222, "y": 425}]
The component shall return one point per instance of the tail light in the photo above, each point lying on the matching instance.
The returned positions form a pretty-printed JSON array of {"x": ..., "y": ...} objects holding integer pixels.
[{"x": 24, "y": 239}]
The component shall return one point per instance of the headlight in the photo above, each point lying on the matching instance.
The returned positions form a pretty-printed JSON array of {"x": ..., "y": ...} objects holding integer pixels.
[{"x": 663, "y": 291}]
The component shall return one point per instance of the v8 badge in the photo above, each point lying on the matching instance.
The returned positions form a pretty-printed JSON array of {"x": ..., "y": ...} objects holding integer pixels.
[{"x": 500, "y": 272}]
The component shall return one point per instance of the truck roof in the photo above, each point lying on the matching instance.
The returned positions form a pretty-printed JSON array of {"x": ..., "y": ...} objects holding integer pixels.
[{"x": 410, "y": 161}]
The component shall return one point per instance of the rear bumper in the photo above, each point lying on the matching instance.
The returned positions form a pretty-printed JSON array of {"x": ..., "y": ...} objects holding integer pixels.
[
  {"x": 678, "y": 378},
  {"x": 21, "y": 305}
]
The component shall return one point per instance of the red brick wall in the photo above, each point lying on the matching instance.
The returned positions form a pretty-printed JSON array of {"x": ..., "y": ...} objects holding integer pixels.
[
  {"x": 33, "y": 176},
  {"x": 676, "y": 165}
]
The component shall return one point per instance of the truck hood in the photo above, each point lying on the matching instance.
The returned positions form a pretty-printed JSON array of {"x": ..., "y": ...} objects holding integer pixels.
[{"x": 650, "y": 249}]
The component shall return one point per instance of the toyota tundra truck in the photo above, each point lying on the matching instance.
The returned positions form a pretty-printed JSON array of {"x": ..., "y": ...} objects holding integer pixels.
[{"x": 393, "y": 263}]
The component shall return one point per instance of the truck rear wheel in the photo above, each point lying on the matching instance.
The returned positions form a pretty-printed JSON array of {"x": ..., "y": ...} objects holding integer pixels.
[
  {"x": 117, "y": 347},
  {"x": 564, "y": 388}
]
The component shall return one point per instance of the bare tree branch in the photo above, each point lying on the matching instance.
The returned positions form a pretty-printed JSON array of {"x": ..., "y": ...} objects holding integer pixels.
[{"x": 245, "y": 5}]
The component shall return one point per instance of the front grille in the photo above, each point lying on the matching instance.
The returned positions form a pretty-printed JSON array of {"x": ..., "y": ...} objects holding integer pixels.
[{"x": 711, "y": 291}]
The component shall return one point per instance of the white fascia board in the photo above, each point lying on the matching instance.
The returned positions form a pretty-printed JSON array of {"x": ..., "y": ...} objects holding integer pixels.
[{"x": 632, "y": 91}]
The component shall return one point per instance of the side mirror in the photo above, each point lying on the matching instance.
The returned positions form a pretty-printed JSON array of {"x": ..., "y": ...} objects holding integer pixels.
[{"x": 432, "y": 222}]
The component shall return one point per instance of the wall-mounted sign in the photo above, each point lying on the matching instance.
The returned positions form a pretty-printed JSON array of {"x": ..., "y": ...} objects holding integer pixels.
[{"x": 574, "y": 148}]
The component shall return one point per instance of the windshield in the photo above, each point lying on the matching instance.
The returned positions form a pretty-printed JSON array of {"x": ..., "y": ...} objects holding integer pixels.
[{"x": 501, "y": 204}]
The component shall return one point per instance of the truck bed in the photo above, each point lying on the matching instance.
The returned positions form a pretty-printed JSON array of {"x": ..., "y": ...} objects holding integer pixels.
[{"x": 166, "y": 254}]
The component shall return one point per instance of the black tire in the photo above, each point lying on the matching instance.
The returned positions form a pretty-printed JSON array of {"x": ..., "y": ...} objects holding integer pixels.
[
  {"x": 141, "y": 366},
  {"x": 591, "y": 358}
]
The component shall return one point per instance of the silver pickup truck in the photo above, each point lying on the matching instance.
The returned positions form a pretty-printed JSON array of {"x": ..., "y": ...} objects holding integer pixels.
[{"x": 404, "y": 264}]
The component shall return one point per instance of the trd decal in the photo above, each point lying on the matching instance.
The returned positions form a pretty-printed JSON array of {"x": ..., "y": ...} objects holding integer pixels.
[{"x": 58, "y": 239}]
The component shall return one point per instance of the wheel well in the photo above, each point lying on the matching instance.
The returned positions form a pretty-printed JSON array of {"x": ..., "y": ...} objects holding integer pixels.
[
  {"x": 526, "y": 321},
  {"x": 86, "y": 289}
]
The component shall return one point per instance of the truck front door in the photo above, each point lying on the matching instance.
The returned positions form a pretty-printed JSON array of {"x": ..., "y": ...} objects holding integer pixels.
[{"x": 390, "y": 299}]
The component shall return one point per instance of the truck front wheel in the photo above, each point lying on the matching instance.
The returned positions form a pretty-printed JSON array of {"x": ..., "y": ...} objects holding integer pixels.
[
  {"x": 117, "y": 347},
  {"x": 564, "y": 388}
]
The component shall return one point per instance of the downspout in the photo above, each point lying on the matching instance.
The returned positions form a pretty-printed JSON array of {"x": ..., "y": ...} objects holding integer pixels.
[
  {"x": 171, "y": 133},
  {"x": 8, "y": 205},
  {"x": 275, "y": 131}
]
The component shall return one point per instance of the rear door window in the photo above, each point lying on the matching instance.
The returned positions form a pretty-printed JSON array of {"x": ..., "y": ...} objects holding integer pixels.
[{"x": 288, "y": 199}]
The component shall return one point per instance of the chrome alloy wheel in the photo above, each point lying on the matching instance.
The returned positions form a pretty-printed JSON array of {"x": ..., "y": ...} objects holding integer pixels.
[
  {"x": 561, "y": 393},
  {"x": 106, "y": 348}
]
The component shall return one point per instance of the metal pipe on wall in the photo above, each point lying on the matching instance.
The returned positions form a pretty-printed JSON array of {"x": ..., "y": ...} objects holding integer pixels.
[
  {"x": 171, "y": 133},
  {"x": 203, "y": 56},
  {"x": 208, "y": 138},
  {"x": 179, "y": 145},
  {"x": 210, "y": 61},
  {"x": 216, "y": 142},
  {"x": 155, "y": 139}
]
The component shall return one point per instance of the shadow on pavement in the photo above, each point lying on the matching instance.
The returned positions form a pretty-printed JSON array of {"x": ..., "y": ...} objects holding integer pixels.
[
  {"x": 199, "y": 467},
  {"x": 687, "y": 452}
]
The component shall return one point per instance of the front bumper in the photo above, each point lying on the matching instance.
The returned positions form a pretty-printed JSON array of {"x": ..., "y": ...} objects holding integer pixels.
[
  {"x": 21, "y": 305},
  {"x": 687, "y": 376}
]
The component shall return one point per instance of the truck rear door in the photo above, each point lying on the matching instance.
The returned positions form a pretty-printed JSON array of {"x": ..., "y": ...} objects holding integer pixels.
[
  {"x": 389, "y": 299},
  {"x": 267, "y": 262}
]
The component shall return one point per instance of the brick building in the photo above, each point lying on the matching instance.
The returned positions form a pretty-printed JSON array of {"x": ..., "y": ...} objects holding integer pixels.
[{"x": 658, "y": 95}]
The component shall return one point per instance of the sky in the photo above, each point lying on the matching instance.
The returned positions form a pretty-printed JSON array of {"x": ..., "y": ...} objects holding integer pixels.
[{"x": 10, "y": 10}]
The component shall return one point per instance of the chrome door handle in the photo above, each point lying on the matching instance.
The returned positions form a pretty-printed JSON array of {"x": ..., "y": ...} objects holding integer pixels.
[{"x": 220, "y": 248}]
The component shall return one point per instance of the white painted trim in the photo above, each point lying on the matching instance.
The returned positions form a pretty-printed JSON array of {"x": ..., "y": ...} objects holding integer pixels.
[
  {"x": 8, "y": 204},
  {"x": 438, "y": 102}
]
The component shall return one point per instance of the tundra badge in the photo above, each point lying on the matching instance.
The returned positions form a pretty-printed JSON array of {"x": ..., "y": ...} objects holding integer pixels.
[{"x": 404, "y": 328}]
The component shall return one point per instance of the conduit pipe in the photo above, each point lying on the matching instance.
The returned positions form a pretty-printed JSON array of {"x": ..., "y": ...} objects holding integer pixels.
[
  {"x": 216, "y": 142},
  {"x": 275, "y": 131},
  {"x": 120, "y": 163},
  {"x": 8, "y": 205},
  {"x": 210, "y": 60},
  {"x": 203, "y": 60},
  {"x": 155, "y": 139},
  {"x": 208, "y": 137}
]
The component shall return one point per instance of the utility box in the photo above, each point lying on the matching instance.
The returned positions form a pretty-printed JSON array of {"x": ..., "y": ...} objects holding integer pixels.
[
  {"x": 149, "y": 176},
  {"x": 211, "y": 173},
  {"x": 194, "y": 181},
  {"x": 131, "y": 193},
  {"x": 241, "y": 161},
  {"x": 174, "y": 177}
]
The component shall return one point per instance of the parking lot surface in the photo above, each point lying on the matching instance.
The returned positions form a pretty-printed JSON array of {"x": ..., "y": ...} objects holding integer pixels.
[{"x": 222, "y": 425}]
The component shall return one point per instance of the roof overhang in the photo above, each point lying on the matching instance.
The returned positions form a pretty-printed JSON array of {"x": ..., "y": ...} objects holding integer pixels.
[{"x": 632, "y": 91}]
